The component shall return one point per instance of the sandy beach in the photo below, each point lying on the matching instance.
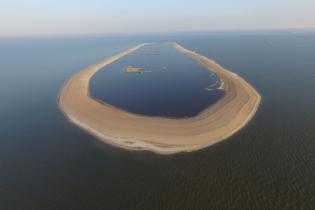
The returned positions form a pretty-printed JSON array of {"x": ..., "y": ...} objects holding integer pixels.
[{"x": 160, "y": 135}]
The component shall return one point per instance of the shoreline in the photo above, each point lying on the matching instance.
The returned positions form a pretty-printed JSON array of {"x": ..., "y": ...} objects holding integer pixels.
[{"x": 156, "y": 134}]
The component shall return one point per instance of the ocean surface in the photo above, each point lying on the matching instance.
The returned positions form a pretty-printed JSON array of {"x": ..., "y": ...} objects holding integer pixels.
[
  {"x": 172, "y": 84},
  {"x": 47, "y": 163}
]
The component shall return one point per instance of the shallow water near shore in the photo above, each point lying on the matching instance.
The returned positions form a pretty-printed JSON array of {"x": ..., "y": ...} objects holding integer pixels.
[
  {"x": 171, "y": 84},
  {"x": 48, "y": 163}
]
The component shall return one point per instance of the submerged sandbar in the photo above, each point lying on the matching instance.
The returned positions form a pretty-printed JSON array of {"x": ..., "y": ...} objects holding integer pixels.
[{"x": 157, "y": 134}]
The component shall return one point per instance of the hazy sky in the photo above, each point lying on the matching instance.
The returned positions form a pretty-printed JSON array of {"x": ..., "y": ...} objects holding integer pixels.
[{"x": 51, "y": 17}]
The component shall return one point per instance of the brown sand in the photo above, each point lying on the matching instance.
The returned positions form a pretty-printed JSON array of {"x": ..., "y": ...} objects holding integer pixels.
[{"x": 160, "y": 135}]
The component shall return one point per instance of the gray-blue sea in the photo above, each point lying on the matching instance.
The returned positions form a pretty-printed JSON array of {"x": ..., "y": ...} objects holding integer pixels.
[{"x": 47, "y": 163}]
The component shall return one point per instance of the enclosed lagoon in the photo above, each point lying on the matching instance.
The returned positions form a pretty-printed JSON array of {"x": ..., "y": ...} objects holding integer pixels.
[{"x": 171, "y": 84}]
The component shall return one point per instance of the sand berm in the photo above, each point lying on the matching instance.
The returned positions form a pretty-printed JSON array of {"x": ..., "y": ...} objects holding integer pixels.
[{"x": 160, "y": 135}]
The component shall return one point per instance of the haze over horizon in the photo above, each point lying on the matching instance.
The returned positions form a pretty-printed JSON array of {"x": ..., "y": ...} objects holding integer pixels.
[{"x": 34, "y": 17}]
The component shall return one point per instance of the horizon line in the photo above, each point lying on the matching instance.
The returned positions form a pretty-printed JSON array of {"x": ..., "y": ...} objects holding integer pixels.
[{"x": 182, "y": 32}]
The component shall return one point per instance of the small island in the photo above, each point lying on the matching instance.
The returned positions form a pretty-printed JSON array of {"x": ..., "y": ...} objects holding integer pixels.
[
  {"x": 159, "y": 134},
  {"x": 131, "y": 69}
]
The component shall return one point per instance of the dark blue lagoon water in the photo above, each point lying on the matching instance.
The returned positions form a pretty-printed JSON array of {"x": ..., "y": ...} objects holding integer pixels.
[
  {"x": 47, "y": 163},
  {"x": 173, "y": 84}
]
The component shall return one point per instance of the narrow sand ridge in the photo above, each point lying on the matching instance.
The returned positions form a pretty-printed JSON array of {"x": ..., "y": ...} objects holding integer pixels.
[{"x": 160, "y": 135}]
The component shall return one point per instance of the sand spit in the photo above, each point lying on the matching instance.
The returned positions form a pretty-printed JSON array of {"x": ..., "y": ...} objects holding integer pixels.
[{"x": 160, "y": 135}]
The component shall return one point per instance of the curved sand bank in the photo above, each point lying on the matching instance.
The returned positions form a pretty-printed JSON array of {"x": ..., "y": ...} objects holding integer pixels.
[{"x": 161, "y": 135}]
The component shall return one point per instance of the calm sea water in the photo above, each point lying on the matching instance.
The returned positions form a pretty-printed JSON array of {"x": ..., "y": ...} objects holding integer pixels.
[
  {"x": 174, "y": 85},
  {"x": 46, "y": 163}
]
